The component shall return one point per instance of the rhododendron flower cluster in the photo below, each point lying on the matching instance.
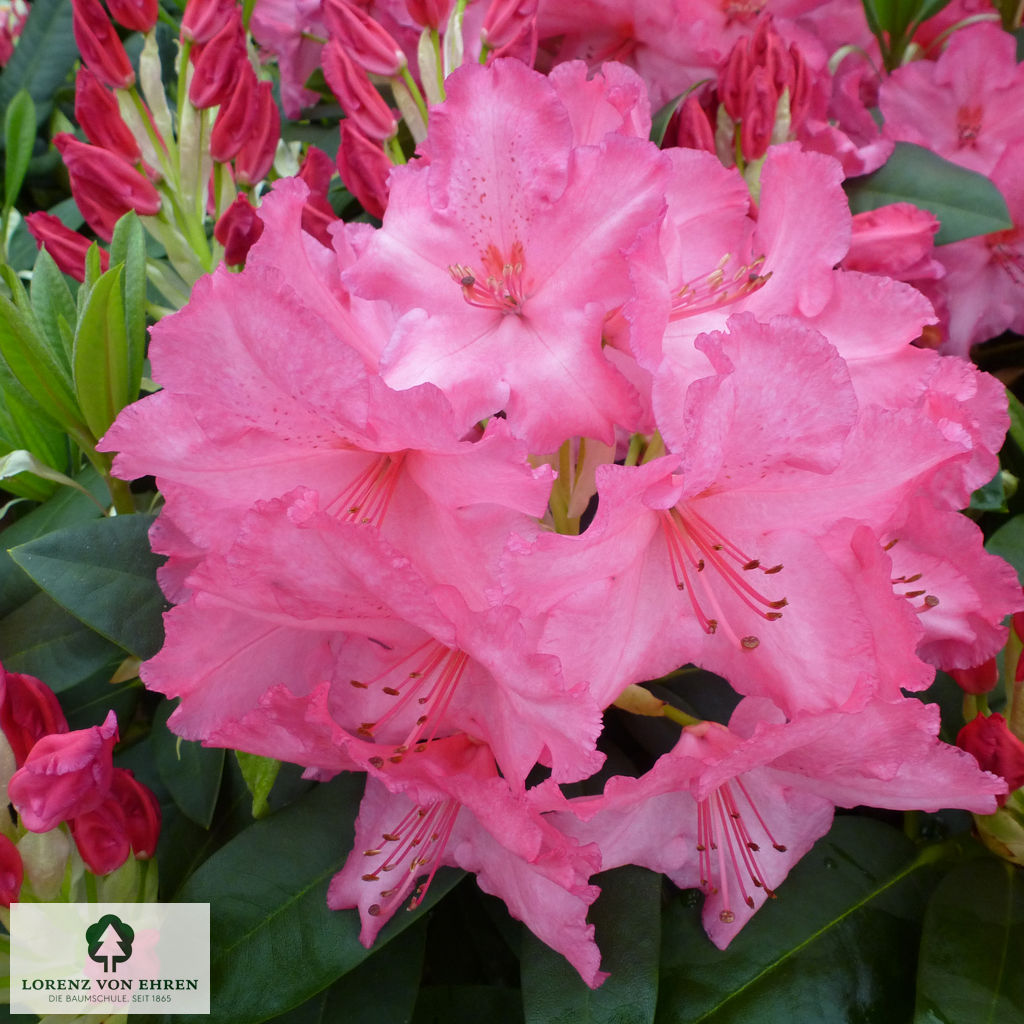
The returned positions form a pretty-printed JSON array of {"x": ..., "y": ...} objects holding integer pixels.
[{"x": 440, "y": 494}]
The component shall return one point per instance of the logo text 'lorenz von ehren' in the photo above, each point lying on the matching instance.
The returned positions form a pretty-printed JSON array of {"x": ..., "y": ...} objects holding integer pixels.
[
  {"x": 110, "y": 941},
  {"x": 110, "y": 958}
]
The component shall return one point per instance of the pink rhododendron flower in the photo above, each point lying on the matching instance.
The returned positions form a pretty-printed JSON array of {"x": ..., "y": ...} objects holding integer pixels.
[{"x": 730, "y": 811}]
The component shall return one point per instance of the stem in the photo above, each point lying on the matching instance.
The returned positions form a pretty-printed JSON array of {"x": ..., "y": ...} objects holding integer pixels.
[
  {"x": 414, "y": 92},
  {"x": 679, "y": 717},
  {"x": 395, "y": 150},
  {"x": 435, "y": 39}
]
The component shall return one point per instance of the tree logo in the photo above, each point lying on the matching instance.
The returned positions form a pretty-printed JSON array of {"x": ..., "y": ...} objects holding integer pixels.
[{"x": 110, "y": 942}]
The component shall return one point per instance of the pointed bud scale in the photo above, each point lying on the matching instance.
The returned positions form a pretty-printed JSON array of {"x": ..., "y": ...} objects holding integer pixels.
[
  {"x": 28, "y": 709},
  {"x": 429, "y": 13},
  {"x": 137, "y": 15},
  {"x": 104, "y": 185},
  {"x": 68, "y": 248},
  {"x": 995, "y": 748},
  {"x": 758, "y": 118},
  {"x": 64, "y": 775},
  {"x": 508, "y": 21},
  {"x": 101, "y": 835},
  {"x": 317, "y": 213},
  {"x": 100, "y": 45},
  {"x": 256, "y": 157},
  {"x": 364, "y": 168},
  {"x": 97, "y": 112},
  {"x": 203, "y": 19},
  {"x": 45, "y": 858},
  {"x": 732, "y": 79},
  {"x": 141, "y": 812},
  {"x": 694, "y": 130},
  {"x": 217, "y": 65},
  {"x": 236, "y": 117},
  {"x": 237, "y": 230},
  {"x": 12, "y": 872},
  {"x": 356, "y": 94},
  {"x": 366, "y": 41},
  {"x": 980, "y": 679}
]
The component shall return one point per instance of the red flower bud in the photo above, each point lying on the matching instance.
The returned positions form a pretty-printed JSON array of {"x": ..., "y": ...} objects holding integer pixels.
[
  {"x": 979, "y": 679},
  {"x": 256, "y": 157},
  {"x": 138, "y": 15},
  {"x": 97, "y": 112},
  {"x": 732, "y": 78},
  {"x": 217, "y": 65},
  {"x": 508, "y": 21},
  {"x": 203, "y": 19},
  {"x": 100, "y": 45},
  {"x": 356, "y": 94},
  {"x": 105, "y": 186},
  {"x": 64, "y": 775},
  {"x": 28, "y": 708},
  {"x": 760, "y": 103},
  {"x": 995, "y": 748},
  {"x": 12, "y": 872},
  {"x": 317, "y": 213},
  {"x": 101, "y": 835},
  {"x": 68, "y": 248},
  {"x": 364, "y": 168},
  {"x": 429, "y": 13},
  {"x": 141, "y": 812},
  {"x": 366, "y": 41},
  {"x": 238, "y": 230},
  {"x": 693, "y": 129},
  {"x": 235, "y": 117}
]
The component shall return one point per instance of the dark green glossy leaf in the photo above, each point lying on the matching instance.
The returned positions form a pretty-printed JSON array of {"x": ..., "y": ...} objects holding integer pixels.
[
  {"x": 834, "y": 948},
  {"x": 966, "y": 203},
  {"x": 467, "y": 1004},
  {"x": 1008, "y": 542},
  {"x": 191, "y": 772},
  {"x": 972, "y": 950},
  {"x": 104, "y": 573},
  {"x": 275, "y": 944},
  {"x": 991, "y": 497},
  {"x": 44, "y": 56},
  {"x": 659, "y": 123},
  {"x": 41, "y": 638},
  {"x": 627, "y": 919},
  {"x": 383, "y": 988},
  {"x": 19, "y": 136}
]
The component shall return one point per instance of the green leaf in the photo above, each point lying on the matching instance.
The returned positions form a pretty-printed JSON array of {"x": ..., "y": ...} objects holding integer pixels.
[
  {"x": 627, "y": 918},
  {"x": 1008, "y": 543},
  {"x": 467, "y": 1004},
  {"x": 274, "y": 942},
  {"x": 101, "y": 357},
  {"x": 16, "y": 462},
  {"x": 41, "y": 639},
  {"x": 381, "y": 990},
  {"x": 44, "y": 56},
  {"x": 51, "y": 301},
  {"x": 19, "y": 137},
  {"x": 128, "y": 246},
  {"x": 991, "y": 497},
  {"x": 192, "y": 773},
  {"x": 832, "y": 948},
  {"x": 259, "y": 773},
  {"x": 966, "y": 203},
  {"x": 973, "y": 947},
  {"x": 104, "y": 573}
]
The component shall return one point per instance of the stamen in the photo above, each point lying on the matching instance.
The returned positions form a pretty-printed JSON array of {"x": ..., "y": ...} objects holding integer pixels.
[
  {"x": 694, "y": 545},
  {"x": 368, "y": 496},
  {"x": 714, "y": 291},
  {"x": 503, "y": 289}
]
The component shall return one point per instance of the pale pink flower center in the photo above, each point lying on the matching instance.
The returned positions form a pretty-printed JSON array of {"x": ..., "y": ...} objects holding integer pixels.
[
  {"x": 717, "y": 289},
  {"x": 968, "y": 126},
  {"x": 425, "y": 680},
  {"x": 743, "y": 11},
  {"x": 1005, "y": 247},
  {"x": 694, "y": 545},
  {"x": 726, "y": 848},
  {"x": 415, "y": 845},
  {"x": 367, "y": 497},
  {"x": 501, "y": 286}
]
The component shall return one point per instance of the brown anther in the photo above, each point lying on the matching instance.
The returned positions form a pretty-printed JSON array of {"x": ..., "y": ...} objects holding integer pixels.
[
  {"x": 779, "y": 847},
  {"x": 726, "y": 917},
  {"x": 396, "y": 758},
  {"x": 374, "y": 910},
  {"x": 358, "y": 685},
  {"x": 753, "y": 846},
  {"x": 371, "y": 853},
  {"x": 377, "y": 762},
  {"x": 700, "y": 565},
  {"x": 773, "y": 570},
  {"x": 772, "y": 616},
  {"x": 391, "y": 837},
  {"x": 415, "y": 675},
  {"x": 891, "y": 544},
  {"x": 679, "y": 586},
  {"x": 779, "y": 604},
  {"x": 371, "y": 878},
  {"x": 752, "y": 564},
  {"x": 749, "y": 901},
  {"x": 390, "y": 691},
  {"x": 467, "y": 281},
  {"x": 931, "y": 600},
  {"x": 422, "y": 720},
  {"x": 712, "y": 626},
  {"x": 749, "y": 643}
]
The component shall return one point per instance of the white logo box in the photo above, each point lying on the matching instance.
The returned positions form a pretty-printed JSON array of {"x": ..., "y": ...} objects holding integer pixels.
[{"x": 110, "y": 958}]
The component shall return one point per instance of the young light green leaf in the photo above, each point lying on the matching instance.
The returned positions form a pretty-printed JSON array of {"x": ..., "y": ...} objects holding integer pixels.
[
  {"x": 25, "y": 462},
  {"x": 101, "y": 358},
  {"x": 19, "y": 137},
  {"x": 969, "y": 967},
  {"x": 966, "y": 203},
  {"x": 52, "y": 301},
  {"x": 104, "y": 573},
  {"x": 260, "y": 774},
  {"x": 128, "y": 246}
]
